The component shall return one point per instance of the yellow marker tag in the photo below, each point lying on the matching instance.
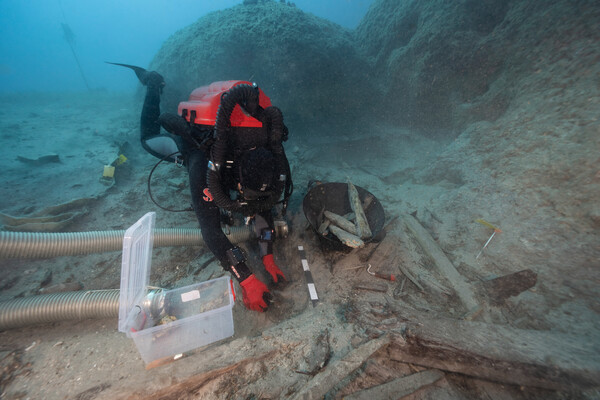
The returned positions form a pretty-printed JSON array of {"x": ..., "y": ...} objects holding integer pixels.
[
  {"x": 109, "y": 171},
  {"x": 120, "y": 160},
  {"x": 485, "y": 223}
]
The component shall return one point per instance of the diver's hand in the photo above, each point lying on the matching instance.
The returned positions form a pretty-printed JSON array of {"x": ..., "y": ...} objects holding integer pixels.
[
  {"x": 255, "y": 294},
  {"x": 273, "y": 269}
]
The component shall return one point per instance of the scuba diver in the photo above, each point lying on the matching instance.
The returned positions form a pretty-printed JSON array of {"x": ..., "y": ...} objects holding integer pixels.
[{"x": 230, "y": 139}]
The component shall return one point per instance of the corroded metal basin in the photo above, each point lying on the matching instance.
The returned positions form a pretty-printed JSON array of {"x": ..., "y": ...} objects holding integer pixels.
[{"x": 333, "y": 197}]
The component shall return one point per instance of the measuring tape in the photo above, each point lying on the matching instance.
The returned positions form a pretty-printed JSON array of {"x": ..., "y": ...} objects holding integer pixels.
[{"x": 312, "y": 291}]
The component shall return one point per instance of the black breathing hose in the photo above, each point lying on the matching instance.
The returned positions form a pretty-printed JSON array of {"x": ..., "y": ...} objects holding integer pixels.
[{"x": 246, "y": 96}]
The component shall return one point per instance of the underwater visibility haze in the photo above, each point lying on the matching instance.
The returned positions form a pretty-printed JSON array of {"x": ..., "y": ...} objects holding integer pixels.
[
  {"x": 36, "y": 53},
  {"x": 442, "y": 239}
]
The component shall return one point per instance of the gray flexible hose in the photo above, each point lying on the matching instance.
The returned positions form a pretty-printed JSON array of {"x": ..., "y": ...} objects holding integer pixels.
[
  {"x": 55, "y": 307},
  {"x": 47, "y": 245},
  {"x": 84, "y": 304}
]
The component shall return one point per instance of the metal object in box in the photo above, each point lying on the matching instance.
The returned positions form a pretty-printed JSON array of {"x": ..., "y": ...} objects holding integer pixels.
[{"x": 161, "y": 322}]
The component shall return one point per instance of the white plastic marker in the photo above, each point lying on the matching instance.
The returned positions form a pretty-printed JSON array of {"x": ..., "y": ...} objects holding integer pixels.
[{"x": 309, "y": 279}]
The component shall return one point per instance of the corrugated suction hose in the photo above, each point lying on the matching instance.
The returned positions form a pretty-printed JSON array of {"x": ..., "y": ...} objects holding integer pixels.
[
  {"x": 47, "y": 245},
  {"x": 84, "y": 304},
  {"x": 55, "y": 307}
]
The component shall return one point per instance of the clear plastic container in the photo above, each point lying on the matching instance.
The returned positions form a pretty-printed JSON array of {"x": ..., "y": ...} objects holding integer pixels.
[{"x": 164, "y": 323}]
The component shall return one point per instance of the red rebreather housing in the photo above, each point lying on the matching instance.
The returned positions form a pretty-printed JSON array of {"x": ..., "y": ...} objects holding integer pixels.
[{"x": 203, "y": 104}]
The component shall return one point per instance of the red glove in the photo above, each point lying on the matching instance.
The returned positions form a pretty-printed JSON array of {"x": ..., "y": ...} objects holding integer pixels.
[
  {"x": 272, "y": 268},
  {"x": 255, "y": 294}
]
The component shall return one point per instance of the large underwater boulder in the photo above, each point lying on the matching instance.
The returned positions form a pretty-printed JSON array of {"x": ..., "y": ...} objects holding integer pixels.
[
  {"x": 309, "y": 66},
  {"x": 434, "y": 56},
  {"x": 445, "y": 64}
]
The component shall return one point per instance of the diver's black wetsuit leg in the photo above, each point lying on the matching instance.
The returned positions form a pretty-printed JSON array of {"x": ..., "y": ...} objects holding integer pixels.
[
  {"x": 155, "y": 143},
  {"x": 207, "y": 212},
  {"x": 149, "y": 124}
]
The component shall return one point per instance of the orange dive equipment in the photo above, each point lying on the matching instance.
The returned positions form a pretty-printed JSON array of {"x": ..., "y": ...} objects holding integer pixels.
[{"x": 203, "y": 105}]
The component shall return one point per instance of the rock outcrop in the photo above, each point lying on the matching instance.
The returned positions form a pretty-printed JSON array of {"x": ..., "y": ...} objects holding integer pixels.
[
  {"x": 437, "y": 65},
  {"x": 309, "y": 66},
  {"x": 444, "y": 64}
]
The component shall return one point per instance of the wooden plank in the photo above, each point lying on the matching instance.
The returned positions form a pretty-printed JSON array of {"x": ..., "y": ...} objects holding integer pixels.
[
  {"x": 372, "y": 287},
  {"x": 322, "y": 383},
  {"x": 183, "y": 390},
  {"x": 458, "y": 282},
  {"x": 500, "y": 353},
  {"x": 400, "y": 387},
  {"x": 410, "y": 276}
]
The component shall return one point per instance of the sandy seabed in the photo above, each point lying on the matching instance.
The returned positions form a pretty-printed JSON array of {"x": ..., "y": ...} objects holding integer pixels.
[{"x": 446, "y": 182}]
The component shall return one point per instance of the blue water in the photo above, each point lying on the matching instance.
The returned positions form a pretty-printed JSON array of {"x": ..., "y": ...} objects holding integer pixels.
[{"x": 34, "y": 55}]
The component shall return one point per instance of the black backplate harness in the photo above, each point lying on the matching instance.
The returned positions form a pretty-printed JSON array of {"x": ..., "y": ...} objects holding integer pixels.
[{"x": 216, "y": 146}]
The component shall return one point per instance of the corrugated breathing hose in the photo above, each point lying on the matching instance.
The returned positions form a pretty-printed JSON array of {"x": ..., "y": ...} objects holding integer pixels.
[{"x": 84, "y": 304}]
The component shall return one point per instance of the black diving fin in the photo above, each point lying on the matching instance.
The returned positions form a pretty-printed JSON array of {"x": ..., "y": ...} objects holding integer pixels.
[{"x": 145, "y": 77}]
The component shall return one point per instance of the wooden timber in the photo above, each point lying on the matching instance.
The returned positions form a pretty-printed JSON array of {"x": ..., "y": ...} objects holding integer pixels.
[{"x": 459, "y": 284}]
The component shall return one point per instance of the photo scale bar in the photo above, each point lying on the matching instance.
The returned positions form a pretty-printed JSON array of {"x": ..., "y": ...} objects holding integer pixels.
[{"x": 312, "y": 291}]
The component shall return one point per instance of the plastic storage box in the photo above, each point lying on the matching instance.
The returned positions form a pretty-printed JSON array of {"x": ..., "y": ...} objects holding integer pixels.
[{"x": 164, "y": 323}]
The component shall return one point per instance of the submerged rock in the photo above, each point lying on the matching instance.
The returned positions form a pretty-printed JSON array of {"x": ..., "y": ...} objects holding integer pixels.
[
  {"x": 446, "y": 64},
  {"x": 433, "y": 55},
  {"x": 309, "y": 66},
  {"x": 432, "y": 65}
]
